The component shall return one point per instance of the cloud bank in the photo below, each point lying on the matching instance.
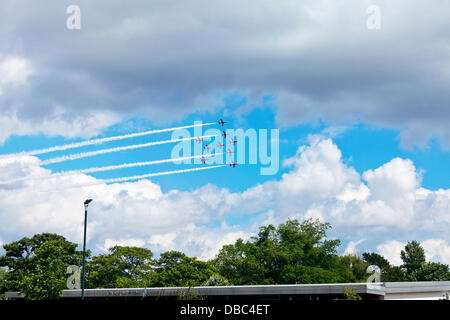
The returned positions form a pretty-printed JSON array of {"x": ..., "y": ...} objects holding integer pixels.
[
  {"x": 166, "y": 59},
  {"x": 384, "y": 205}
]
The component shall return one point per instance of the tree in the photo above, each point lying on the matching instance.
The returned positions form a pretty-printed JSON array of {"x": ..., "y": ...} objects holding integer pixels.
[
  {"x": 389, "y": 273},
  {"x": 375, "y": 259},
  {"x": 175, "y": 269},
  {"x": 431, "y": 271},
  {"x": 123, "y": 267},
  {"x": 358, "y": 267},
  {"x": 351, "y": 294},
  {"x": 216, "y": 280},
  {"x": 394, "y": 274},
  {"x": 413, "y": 256},
  {"x": 293, "y": 252},
  {"x": 3, "y": 275},
  {"x": 37, "y": 266},
  {"x": 238, "y": 263}
]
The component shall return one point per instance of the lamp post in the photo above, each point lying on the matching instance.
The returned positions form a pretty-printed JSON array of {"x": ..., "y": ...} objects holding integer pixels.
[{"x": 86, "y": 204}]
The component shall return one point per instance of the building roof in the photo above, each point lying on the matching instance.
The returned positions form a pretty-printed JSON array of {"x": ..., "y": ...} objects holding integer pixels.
[{"x": 385, "y": 290}]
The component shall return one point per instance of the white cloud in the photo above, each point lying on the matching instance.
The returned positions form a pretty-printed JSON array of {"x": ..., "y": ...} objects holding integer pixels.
[
  {"x": 391, "y": 251},
  {"x": 437, "y": 250},
  {"x": 374, "y": 205},
  {"x": 130, "y": 242},
  {"x": 15, "y": 71},
  {"x": 351, "y": 248},
  {"x": 84, "y": 125},
  {"x": 318, "y": 171},
  {"x": 203, "y": 241}
]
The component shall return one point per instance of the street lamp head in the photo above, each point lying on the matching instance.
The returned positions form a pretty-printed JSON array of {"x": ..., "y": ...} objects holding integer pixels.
[{"x": 86, "y": 203}]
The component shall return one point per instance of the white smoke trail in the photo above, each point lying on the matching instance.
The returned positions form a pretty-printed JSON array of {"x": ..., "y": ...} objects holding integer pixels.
[
  {"x": 135, "y": 164},
  {"x": 109, "y": 168},
  {"x": 102, "y": 140},
  {"x": 117, "y": 149},
  {"x": 137, "y": 177},
  {"x": 143, "y": 176}
]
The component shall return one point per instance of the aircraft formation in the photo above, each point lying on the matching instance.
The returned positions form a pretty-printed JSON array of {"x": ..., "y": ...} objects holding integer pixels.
[{"x": 207, "y": 147}]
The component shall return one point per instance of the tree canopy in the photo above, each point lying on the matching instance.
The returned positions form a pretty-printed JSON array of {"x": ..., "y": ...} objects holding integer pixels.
[
  {"x": 389, "y": 273},
  {"x": 37, "y": 266},
  {"x": 123, "y": 267},
  {"x": 413, "y": 256},
  {"x": 292, "y": 252}
]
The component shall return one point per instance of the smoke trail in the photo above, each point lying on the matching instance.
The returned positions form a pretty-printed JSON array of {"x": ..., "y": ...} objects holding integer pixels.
[
  {"x": 117, "y": 149},
  {"x": 109, "y": 168},
  {"x": 137, "y": 177},
  {"x": 143, "y": 176},
  {"x": 103, "y": 140},
  {"x": 135, "y": 164}
]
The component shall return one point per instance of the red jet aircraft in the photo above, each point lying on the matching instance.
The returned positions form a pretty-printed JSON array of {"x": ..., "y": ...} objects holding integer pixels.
[
  {"x": 199, "y": 140},
  {"x": 221, "y": 122},
  {"x": 204, "y": 159},
  {"x": 224, "y": 134},
  {"x": 207, "y": 148},
  {"x": 220, "y": 145},
  {"x": 233, "y": 164},
  {"x": 233, "y": 141},
  {"x": 229, "y": 152}
]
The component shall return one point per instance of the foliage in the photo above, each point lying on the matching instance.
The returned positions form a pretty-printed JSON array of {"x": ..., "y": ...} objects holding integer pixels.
[
  {"x": 358, "y": 267},
  {"x": 291, "y": 253},
  {"x": 394, "y": 274},
  {"x": 123, "y": 267},
  {"x": 175, "y": 269},
  {"x": 37, "y": 266},
  {"x": 3, "y": 275},
  {"x": 350, "y": 294},
  {"x": 431, "y": 271},
  {"x": 389, "y": 273},
  {"x": 375, "y": 259},
  {"x": 216, "y": 280},
  {"x": 413, "y": 256},
  {"x": 190, "y": 294}
]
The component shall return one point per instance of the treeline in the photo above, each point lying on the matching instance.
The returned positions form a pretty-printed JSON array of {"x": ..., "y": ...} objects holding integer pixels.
[{"x": 291, "y": 253}]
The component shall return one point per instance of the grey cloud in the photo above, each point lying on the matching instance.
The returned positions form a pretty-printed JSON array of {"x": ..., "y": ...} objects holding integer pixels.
[{"x": 165, "y": 59}]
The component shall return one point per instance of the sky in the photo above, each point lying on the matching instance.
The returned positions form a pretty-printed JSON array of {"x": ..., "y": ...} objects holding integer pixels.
[{"x": 362, "y": 117}]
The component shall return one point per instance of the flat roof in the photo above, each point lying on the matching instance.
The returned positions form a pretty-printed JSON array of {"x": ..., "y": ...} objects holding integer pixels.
[
  {"x": 257, "y": 290},
  {"x": 419, "y": 286},
  {"x": 370, "y": 289}
]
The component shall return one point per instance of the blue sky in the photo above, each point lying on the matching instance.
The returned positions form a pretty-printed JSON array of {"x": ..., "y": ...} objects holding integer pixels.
[
  {"x": 363, "y": 147},
  {"x": 362, "y": 114}
]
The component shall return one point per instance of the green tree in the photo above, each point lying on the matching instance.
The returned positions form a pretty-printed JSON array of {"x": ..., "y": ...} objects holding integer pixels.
[
  {"x": 239, "y": 263},
  {"x": 175, "y": 269},
  {"x": 358, "y": 267},
  {"x": 291, "y": 253},
  {"x": 216, "y": 280},
  {"x": 389, "y": 273},
  {"x": 3, "y": 275},
  {"x": 37, "y": 266},
  {"x": 413, "y": 257},
  {"x": 375, "y": 259},
  {"x": 123, "y": 267},
  {"x": 350, "y": 294},
  {"x": 394, "y": 274},
  {"x": 431, "y": 271},
  {"x": 190, "y": 294}
]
